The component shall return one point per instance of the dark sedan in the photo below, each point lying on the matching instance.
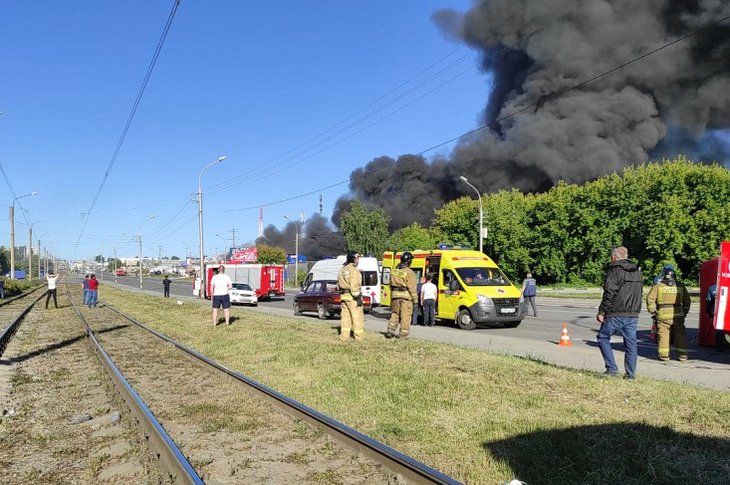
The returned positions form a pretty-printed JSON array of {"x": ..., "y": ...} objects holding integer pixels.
[{"x": 322, "y": 297}]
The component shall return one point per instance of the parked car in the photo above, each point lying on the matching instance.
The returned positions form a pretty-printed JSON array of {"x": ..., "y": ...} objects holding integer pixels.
[
  {"x": 244, "y": 294},
  {"x": 322, "y": 297}
]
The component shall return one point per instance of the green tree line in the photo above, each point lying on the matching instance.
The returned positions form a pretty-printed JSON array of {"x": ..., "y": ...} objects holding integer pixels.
[{"x": 673, "y": 212}]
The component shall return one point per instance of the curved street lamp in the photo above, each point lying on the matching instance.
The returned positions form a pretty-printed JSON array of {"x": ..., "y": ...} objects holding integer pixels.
[
  {"x": 481, "y": 213},
  {"x": 12, "y": 234},
  {"x": 201, "y": 274}
]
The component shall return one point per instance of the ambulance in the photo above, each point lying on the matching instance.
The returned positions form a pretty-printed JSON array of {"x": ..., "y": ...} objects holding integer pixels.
[{"x": 472, "y": 290}]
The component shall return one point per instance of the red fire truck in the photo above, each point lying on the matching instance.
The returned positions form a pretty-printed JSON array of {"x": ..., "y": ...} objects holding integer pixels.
[{"x": 267, "y": 280}]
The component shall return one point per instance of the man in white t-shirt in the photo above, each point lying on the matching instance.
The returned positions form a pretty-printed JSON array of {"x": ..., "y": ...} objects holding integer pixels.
[
  {"x": 51, "y": 278},
  {"x": 219, "y": 286},
  {"x": 428, "y": 301}
]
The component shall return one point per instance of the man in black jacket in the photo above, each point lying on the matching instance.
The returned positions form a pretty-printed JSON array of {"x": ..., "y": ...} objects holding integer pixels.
[{"x": 619, "y": 311}]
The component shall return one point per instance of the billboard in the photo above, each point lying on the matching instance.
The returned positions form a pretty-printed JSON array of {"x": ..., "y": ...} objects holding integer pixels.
[{"x": 244, "y": 255}]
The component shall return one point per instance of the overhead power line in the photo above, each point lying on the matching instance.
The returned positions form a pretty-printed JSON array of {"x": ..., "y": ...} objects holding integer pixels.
[
  {"x": 504, "y": 117},
  {"x": 128, "y": 123}
]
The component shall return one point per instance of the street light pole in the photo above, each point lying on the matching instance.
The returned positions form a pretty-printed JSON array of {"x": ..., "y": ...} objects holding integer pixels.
[
  {"x": 139, "y": 240},
  {"x": 30, "y": 249},
  {"x": 12, "y": 234},
  {"x": 296, "y": 251},
  {"x": 225, "y": 243},
  {"x": 201, "y": 273},
  {"x": 481, "y": 214}
]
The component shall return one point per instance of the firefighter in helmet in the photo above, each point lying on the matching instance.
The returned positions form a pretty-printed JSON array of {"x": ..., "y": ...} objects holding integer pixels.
[
  {"x": 402, "y": 295},
  {"x": 349, "y": 282},
  {"x": 669, "y": 302}
]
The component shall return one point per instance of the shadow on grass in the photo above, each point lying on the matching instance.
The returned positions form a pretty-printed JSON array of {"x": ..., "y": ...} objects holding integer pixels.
[{"x": 625, "y": 453}]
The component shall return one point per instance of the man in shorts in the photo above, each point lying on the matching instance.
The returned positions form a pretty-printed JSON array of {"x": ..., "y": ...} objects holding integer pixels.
[{"x": 219, "y": 286}]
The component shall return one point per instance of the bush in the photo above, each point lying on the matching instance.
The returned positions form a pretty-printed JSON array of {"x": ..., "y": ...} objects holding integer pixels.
[{"x": 16, "y": 287}]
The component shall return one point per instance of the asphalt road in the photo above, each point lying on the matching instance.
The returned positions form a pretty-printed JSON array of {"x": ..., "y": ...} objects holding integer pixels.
[{"x": 535, "y": 338}]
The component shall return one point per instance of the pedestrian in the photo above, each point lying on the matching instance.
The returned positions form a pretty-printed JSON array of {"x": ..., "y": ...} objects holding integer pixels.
[
  {"x": 2, "y": 288},
  {"x": 619, "y": 311},
  {"x": 85, "y": 288},
  {"x": 93, "y": 290},
  {"x": 349, "y": 282},
  {"x": 220, "y": 284},
  {"x": 668, "y": 302},
  {"x": 417, "y": 306},
  {"x": 722, "y": 338},
  {"x": 402, "y": 295},
  {"x": 529, "y": 292},
  {"x": 166, "y": 285},
  {"x": 428, "y": 301},
  {"x": 51, "y": 278}
]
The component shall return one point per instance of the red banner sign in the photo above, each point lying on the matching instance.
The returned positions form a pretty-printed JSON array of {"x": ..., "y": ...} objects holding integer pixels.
[
  {"x": 244, "y": 255},
  {"x": 722, "y": 303}
]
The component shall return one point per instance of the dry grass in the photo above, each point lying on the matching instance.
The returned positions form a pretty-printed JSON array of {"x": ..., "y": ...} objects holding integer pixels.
[{"x": 478, "y": 417}]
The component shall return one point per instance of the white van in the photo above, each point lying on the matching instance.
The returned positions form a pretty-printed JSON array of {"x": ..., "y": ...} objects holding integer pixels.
[{"x": 328, "y": 269}]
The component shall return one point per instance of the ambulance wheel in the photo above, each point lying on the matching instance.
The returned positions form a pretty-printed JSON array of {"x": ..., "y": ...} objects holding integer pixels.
[
  {"x": 464, "y": 320},
  {"x": 297, "y": 310},
  {"x": 321, "y": 313}
]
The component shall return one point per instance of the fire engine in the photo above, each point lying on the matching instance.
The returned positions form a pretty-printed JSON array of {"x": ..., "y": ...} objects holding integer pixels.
[{"x": 267, "y": 280}]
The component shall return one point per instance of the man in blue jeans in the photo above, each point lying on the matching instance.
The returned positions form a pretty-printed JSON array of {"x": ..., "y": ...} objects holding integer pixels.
[{"x": 619, "y": 311}]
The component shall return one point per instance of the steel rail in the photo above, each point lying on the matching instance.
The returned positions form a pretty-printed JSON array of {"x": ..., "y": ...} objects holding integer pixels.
[
  {"x": 171, "y": 459},
  {"x": 412, "y": 470},
  {"x": 8, "y": 333},
  {"x": 11, "y": 299}
]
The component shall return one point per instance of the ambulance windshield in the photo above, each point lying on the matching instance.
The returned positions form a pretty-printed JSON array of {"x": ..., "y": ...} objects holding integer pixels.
[{"x": 482, "y": 277}]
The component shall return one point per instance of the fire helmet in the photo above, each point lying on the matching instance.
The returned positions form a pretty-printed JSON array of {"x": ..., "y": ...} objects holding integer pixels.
[
  {"x": 406, "y": 258},
  {"x": 351, "y": 257}
]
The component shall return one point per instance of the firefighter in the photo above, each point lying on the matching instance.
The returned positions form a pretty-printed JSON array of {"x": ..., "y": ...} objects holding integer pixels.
[
  {"x": 669, "y": 302},
  {"x": 402, "y": 295},
  {"x": 349, "y": 283}
]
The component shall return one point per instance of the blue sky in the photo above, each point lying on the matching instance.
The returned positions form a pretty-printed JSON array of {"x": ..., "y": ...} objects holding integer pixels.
[{"x": 249, "y": 80}]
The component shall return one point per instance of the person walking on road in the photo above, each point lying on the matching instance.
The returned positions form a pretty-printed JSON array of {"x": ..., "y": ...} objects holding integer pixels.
[
  {"x": 51, "y": 278},
  {"x": 619, "y": 311},
  {"x": 402, "y": 295},
  {"x": 429, "y": 291},
  {"x": 529, "y": 292},
  {"x": 85, "y": 288},
  {"x": 668, "y": 302},
  {"x": 418, "y": 305},
  {"x": 220, "y": 284},
  {"x": 166, "y": 286},
  {"x": 349, "y": 282},
  {"x": 93, "y": 291}
]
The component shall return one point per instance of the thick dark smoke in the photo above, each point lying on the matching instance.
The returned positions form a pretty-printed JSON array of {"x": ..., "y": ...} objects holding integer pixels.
[
  {"x": 674, "y": 101},
  {"x": 317, "y": 239}
]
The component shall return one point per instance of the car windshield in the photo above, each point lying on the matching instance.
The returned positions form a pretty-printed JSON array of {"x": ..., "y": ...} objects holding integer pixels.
[
  {"x": 241, "y": 286},
  {"x": 482, "y": 277}
]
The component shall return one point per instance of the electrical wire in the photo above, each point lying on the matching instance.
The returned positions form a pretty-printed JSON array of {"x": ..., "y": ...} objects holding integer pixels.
[
  {"x": 501, "y": 118},
  {"x": 130, "y": 117}
]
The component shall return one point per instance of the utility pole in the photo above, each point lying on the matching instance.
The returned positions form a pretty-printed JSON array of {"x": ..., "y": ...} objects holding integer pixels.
[
  {"x": 39, "y": 259},
  {"x": 233, "y": 237}
]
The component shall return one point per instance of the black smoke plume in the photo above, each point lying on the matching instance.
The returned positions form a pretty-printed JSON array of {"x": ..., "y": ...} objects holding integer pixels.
[
  {"x": 317, "y": 239},
  {"x": 540, "y": 129}
]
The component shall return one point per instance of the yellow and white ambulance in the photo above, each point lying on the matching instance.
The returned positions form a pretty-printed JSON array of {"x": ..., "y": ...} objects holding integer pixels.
[{"x": 472, "y": 290}]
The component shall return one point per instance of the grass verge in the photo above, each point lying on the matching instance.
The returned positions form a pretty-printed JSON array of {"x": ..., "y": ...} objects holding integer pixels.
[{"x": 479, "y": 417}]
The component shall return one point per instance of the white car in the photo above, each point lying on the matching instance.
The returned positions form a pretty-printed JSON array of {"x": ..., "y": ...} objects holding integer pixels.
[{"x": 242, "y": 293}]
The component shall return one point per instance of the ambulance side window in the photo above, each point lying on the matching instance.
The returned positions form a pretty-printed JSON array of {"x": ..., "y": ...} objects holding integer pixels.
[
  {"x": 386, "y": 276},
  {"x": 450, "y": 280}
]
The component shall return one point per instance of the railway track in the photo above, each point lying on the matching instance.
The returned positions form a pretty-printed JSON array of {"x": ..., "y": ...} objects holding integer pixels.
[
  {"x": 12, "y": 305},
  {"x": 206, "y": 423}
]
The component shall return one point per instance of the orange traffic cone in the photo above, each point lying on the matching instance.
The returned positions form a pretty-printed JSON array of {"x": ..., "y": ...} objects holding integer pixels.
[{"x": 564, "y": 338}]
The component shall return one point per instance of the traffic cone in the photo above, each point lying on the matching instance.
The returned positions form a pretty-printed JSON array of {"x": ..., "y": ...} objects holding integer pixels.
[{"x": 564, "y": 338}]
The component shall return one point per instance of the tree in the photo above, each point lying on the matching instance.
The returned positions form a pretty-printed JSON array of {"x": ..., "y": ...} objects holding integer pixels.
[
  {"x": 4, "y": 259},
  {"x": 174, "y": 258},
  {"x": 266, "y": 254},
  {"x": 412, "y": 237},
  {"x": 365, "y": 231},
  {"x": 113, "y": 264},
  {"x": 457, "y": 223}
]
